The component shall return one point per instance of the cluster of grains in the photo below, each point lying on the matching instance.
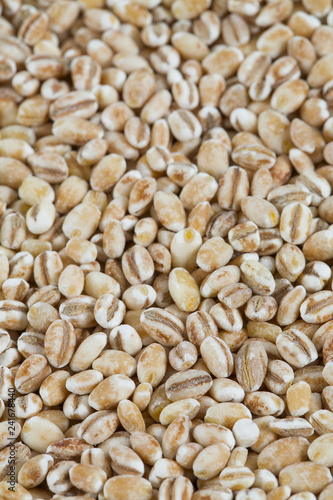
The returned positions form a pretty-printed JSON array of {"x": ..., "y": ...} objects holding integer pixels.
[{"x": 166, "y": 303}]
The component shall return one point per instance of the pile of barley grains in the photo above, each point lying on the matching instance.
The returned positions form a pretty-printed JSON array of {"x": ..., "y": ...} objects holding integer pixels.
[{"x": 166, "y": 243}]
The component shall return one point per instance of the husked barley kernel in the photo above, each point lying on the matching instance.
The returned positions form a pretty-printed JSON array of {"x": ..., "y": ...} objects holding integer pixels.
[{"x": 166, "y": 299}]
